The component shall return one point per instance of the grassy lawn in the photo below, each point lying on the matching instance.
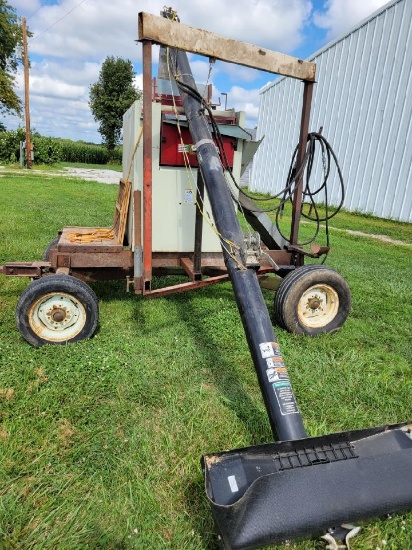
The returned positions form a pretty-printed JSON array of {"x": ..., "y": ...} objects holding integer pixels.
[{"x": 100, "y": 441}]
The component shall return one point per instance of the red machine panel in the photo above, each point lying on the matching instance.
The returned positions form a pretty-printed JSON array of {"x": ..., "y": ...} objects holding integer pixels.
[{"x": 172, "y": 149}]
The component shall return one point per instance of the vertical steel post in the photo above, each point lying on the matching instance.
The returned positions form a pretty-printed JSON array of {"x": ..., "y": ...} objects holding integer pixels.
[
  {"x": 304, "y": 131},
  {"x": 147, "y": 166}
]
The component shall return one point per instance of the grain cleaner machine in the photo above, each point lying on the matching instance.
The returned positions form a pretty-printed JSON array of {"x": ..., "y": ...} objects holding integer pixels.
[{"x": 298, "y": 486}]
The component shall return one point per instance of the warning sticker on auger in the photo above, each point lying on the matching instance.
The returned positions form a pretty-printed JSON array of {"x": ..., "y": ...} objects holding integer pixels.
[
  {"x": 285, "y": 398},
  {"x": 269, "y": 349},
  {"x": 277, "y": 374},
  {"x": 273, "y": 362}
]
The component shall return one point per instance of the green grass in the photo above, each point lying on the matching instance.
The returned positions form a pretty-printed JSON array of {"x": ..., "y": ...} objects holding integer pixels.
[{"x": 100, "y": 441}]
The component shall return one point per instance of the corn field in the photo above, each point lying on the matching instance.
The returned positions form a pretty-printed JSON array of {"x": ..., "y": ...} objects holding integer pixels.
[
  {"x": 87, "y": 153},
  {"x": 49, "y": 150}
]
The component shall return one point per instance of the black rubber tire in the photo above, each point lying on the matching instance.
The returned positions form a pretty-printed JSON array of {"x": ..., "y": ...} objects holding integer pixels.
[
  {"x": 57, "y": 309},
  {"x": 47, "y": 251},
  {"x": 312, "y": 284}
]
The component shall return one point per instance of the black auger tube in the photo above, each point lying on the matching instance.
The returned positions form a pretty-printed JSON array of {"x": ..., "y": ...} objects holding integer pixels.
[{"x": 284, "y": 416}]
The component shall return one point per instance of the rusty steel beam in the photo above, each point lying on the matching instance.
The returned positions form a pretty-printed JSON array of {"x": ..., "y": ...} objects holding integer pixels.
[
  {"x": 23, "y": 269},
  {"x": 82, "y": 259},
  {"x": 303, "y": 138},
  {"x": 189, "y": 268},
  {"x": 147, "y": 166},
  {"x": 183, "y": 287}
]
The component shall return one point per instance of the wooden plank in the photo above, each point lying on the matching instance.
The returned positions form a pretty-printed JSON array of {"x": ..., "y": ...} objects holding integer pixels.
[
  {"x": 122, "y": 209},
  {"x": 190, "y": 39}
]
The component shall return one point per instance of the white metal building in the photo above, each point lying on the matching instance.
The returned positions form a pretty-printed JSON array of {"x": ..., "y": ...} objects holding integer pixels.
[{"x": 363, "y": 101}]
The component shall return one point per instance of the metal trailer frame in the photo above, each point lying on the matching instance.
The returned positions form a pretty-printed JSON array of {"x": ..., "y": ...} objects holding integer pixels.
[
  {"x": 109, "y": 259},
  {"x": 158, "y": 30}
]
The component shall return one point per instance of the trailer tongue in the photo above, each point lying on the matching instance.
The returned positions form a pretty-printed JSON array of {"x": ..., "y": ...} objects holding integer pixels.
[{"x": 299, "y": 486}]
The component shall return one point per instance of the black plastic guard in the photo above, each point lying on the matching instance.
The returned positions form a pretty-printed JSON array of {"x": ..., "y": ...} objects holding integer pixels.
[{"x": 288, "y": 490}]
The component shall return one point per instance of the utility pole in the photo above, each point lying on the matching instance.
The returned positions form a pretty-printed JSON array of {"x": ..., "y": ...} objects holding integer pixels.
[{"x": 29, "y": 146}]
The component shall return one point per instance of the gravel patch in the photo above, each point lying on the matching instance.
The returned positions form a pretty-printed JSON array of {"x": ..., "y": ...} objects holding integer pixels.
[
  {"x": 383, "y": 238},
  {"x": 95, "y": 174},
  {"x": 91, "y": 174}
]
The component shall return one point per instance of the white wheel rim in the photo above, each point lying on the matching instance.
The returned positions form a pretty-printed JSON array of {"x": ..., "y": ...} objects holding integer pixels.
[
  {"x": 318, "y": 306},
  {"x": 57, "y": 317}
]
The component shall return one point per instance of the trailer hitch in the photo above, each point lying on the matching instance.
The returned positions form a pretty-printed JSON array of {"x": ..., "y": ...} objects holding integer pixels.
[
  {"x": 24, "y": 269},
  {"x": 251, "y": 250},
  {"x": 316, "y": 250}
]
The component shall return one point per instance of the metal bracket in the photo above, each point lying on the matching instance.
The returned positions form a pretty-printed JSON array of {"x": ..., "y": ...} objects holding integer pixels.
[
  {"x": 24, "y": 269},
  {"x": 251, "y": 251},
  {"x": 202, "y": 142},
  {"x": 316, "y": 250},
  {"x": 270, "y": 260},
  {"x": 339, "y": 537}
]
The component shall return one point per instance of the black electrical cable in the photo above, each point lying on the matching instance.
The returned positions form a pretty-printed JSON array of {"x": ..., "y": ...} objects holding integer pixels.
[{"x": 294, "y": 175}]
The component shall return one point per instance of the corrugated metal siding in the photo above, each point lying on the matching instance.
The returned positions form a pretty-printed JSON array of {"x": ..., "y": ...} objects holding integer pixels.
[
  {"x": 363, "y": 100},
  {"x": 245, "y": 178}
]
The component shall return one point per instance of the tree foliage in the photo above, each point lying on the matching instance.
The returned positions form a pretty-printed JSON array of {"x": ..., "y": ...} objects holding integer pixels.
[
  {"x": 11, "y": 36},
  {"x": 111, "y": 96}
]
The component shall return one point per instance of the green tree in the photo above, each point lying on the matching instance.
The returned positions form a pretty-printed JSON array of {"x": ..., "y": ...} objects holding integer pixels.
[
  {"x": 111, "y": 96},
  {"x": 10, "y": 38}
]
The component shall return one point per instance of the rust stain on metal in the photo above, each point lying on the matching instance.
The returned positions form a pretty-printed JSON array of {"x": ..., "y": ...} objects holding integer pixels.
[{"x": 24, "y": 269}]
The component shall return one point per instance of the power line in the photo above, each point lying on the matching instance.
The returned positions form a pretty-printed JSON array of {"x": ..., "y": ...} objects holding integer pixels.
[
  {"x": 35, "y": 11},
  {"x": 58, "y": 21}
]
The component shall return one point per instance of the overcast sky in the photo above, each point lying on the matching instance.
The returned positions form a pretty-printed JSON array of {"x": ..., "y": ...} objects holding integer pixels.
[{"x": 71, "y": 39}]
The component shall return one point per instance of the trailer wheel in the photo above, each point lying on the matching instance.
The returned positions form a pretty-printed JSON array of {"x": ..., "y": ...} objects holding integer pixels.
[
  {"x": 57, "y": 309},
  {"x": 311, "y": 300},
  {"x": 47, "y": 251}
]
